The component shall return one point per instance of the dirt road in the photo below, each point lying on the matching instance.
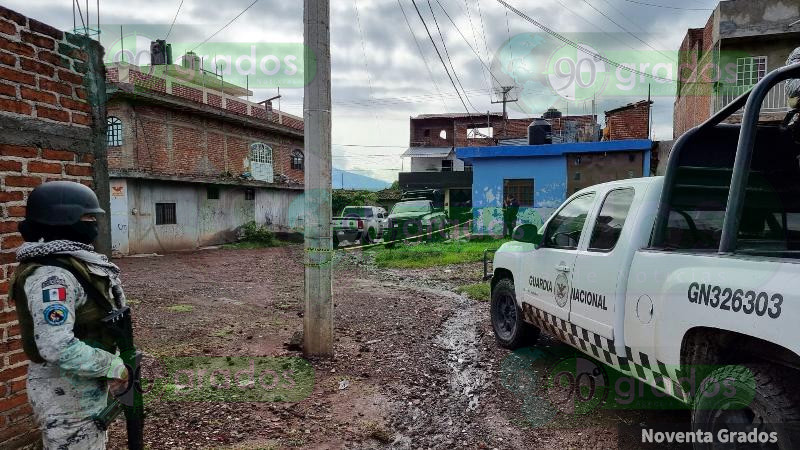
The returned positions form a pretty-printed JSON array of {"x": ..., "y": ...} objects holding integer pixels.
[{"x": 416, "y": 365}]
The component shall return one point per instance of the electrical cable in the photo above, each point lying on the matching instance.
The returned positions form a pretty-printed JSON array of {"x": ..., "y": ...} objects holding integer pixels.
[
  {"x": 422, "y": 54},
  {"x": 595, "y": 55},
  {"x": 225, "y": 26},
  {"x": 414, "y": 2},
  {"x": 173, "y": 20},
  {"x": 669, "y": 7}
]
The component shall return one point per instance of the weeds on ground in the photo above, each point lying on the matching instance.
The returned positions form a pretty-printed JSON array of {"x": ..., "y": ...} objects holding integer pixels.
[
  {"x": 476, "y": 291},
  {"x": 433, "y": 254},
  {"x": 252, "y": 236}
]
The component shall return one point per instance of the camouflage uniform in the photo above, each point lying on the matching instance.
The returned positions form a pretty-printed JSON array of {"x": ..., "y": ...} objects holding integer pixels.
[{"x": 69, "y": 387}]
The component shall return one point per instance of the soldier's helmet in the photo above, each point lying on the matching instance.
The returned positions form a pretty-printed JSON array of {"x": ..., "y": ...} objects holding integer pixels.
[{"x": 59, "y": 203}]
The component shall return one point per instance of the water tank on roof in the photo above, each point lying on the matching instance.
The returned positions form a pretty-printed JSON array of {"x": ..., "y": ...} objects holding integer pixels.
[
  {"x": 158, "y": 52},
  {"x": 552, "y": 113},
  {"x": 540, "y": 132}
]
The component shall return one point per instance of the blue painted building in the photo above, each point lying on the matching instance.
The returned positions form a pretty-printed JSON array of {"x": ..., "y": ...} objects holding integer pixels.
[{"x": 541, "y": 177}]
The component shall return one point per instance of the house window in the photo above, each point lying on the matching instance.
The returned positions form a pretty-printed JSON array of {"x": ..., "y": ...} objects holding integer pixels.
[
  {"x": 249, "y": 194},
  {"x": 632, "y": 157},
  {"x": 480, "y": 133},
  {"x": 298, "y": 160},
  {"x": 521, "y": 189},
  {"x": 114, "y": 132},
  {"x": 212, "y": 192},
  {"x": 467, "y": 167},
  {"x": 577, "y": 176},
  {"x": 165, "y": 214},
  {"x": 261, "y": 162},
  {"x": 426, "y": 133},
  {"x": 447, "y": 165},
  {"x": 750, "y": 71}
]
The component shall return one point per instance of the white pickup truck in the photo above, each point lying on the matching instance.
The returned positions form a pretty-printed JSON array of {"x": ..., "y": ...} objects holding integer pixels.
[
  {"x": 364, "y": 224},
  {"x": 660, "y": 277}
]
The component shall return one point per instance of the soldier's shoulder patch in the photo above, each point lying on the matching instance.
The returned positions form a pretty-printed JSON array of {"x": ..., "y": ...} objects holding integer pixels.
[
  {"x": 54, "y": 294},
  {"x": 56, "y": 314},
  {"x": 54, "y": 280}
]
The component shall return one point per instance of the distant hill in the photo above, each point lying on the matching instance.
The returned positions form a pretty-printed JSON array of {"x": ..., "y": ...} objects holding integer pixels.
[{"x": 349, "y": 180}]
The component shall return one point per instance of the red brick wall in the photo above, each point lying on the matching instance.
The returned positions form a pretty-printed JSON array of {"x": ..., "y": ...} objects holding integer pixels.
[
  {"x": 164, "y": 141},
  {"x": 693, "y": 102},
  {"x": 44, "y": 102},
  {"x": 631, "y": 122}
]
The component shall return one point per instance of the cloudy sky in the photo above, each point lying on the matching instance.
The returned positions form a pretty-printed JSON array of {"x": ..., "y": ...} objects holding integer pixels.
[{"x": 383, "y": 72}]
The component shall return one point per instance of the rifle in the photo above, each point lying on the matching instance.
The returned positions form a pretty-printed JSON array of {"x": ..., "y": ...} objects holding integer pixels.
[{"x": 129, "y": 402}]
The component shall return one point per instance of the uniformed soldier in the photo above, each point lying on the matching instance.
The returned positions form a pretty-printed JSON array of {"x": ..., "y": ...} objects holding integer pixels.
[{"x": 73, "y": 356}]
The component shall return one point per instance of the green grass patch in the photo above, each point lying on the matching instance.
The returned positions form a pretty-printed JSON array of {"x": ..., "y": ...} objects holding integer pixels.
[
  {"x": 181, "y": 308},
  {"x": 477, "y": 291},
  {"x": 433, "y": 254}
]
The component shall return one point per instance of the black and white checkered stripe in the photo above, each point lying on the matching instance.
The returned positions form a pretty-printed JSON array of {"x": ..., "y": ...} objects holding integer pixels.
[{"x": 635, "y": 363}]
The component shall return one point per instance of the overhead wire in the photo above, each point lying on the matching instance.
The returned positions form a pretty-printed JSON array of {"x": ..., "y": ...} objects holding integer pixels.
[
  {"x": 668, "y": 6},
  {"x": 428, "y": 31},
  {"x": 422, "y": 53},
  {"x": 627, "y": 31},
  {"x": 225, "y": 26},
  {"x": 595, "y": 55},
  {"x": 447, "y": 53},
  {"x": 173, "y": 20}
]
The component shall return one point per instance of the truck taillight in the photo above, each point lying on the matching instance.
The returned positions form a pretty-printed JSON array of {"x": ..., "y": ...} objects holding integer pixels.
[{"x": 360, "y": 223}]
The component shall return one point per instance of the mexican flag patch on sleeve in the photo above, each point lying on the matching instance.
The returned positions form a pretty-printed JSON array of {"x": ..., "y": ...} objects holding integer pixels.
[{"x": 54, "y": 294}]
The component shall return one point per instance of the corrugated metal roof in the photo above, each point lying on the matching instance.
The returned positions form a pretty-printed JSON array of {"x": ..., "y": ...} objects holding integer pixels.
[
  {"x": 511, "y": 151},
  {"x": 428, "y": 152}
]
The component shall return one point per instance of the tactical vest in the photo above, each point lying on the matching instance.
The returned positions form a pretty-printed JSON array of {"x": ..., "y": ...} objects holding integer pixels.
[{"x": 87, "y": 327}]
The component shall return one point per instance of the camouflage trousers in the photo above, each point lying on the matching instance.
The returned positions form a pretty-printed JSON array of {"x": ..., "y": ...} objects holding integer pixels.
[{"x": 63, "y": 408}]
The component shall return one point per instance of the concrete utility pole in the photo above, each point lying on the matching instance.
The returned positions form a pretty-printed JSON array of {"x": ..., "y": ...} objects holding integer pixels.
[{"x": 318, "y": 316}]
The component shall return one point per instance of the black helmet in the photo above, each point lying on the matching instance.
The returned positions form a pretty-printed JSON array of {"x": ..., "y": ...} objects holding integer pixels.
[{"x": 61, "y": 203}]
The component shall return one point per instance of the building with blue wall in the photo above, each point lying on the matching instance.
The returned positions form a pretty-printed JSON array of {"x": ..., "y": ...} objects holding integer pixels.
[{"x": 541, "y": 177}]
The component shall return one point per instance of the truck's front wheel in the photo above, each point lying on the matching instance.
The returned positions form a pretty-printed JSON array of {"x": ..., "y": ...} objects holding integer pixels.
[
  {"x": 510, "y": 330},
  {"x": 736, "y": 399}
]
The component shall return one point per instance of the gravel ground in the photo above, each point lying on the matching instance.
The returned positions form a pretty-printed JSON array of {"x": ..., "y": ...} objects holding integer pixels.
[{"x": 416, "y": 365}]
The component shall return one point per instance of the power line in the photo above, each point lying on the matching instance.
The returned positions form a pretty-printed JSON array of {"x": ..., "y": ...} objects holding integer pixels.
[
  {"x": 467, "y": 41},
  {"x": 173, "y": 20},
  {"x": 414, "y": 2},
  {"x": 668, "y": 7},
  {"x": 626, "y": 30},
  {"x": 475, "y": 40},
  {"x": 225, "y": 26},
  {"x": 595, "y": 55},
  {"x": 422, "y": 54},
  {"x": 447, "y": 53},
  {"x": 364, "y": 54}
]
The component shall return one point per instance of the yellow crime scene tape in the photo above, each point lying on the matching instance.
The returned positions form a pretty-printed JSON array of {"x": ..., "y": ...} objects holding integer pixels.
[{"x": 330, "y": 260}]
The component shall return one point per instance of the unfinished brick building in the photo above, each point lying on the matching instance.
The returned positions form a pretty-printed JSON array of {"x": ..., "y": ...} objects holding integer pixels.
[
  {"x": 741, "y": 42},
  {"x": 52, "y": 121},
  {"x": 191, "y": 161}
]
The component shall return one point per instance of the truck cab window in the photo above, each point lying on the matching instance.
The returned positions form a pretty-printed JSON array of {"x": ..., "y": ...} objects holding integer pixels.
[
  {"x": 609, "y": 223},
  {"x": 564, "y": 229}
]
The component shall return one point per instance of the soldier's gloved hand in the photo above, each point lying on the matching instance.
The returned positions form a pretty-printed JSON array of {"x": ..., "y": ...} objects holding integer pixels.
[{"x": 118, "y": 377}]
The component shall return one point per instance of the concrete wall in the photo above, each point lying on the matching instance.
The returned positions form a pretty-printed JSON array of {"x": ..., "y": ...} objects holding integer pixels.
[
  {"x": 549, "y": 174},
  {"x": 52, "y": 127},
  {"x": 435, "y": 164},
  {"x": 596, "y": 168},
  {"x": 200, "y": 221}
]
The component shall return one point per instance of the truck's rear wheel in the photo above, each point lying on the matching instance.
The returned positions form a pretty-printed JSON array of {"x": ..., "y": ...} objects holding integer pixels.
[
  {"x": 748, "y": 397},
  {"x": 509, "y": 329},
  {"x": 369, "y": 236}
]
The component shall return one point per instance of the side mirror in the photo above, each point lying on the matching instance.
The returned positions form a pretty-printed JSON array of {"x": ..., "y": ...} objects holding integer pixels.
[{"x": 527, "y": 233}]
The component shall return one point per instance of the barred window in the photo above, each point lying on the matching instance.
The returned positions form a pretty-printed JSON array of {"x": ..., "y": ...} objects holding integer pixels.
[
  {"x": 298, "y": 160},
  {"x": 114, "y": 132},
  {"x": 750, "y": 71},
  {"x": 520, "y": 189},
  {"x": 165, "y": 214}
]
